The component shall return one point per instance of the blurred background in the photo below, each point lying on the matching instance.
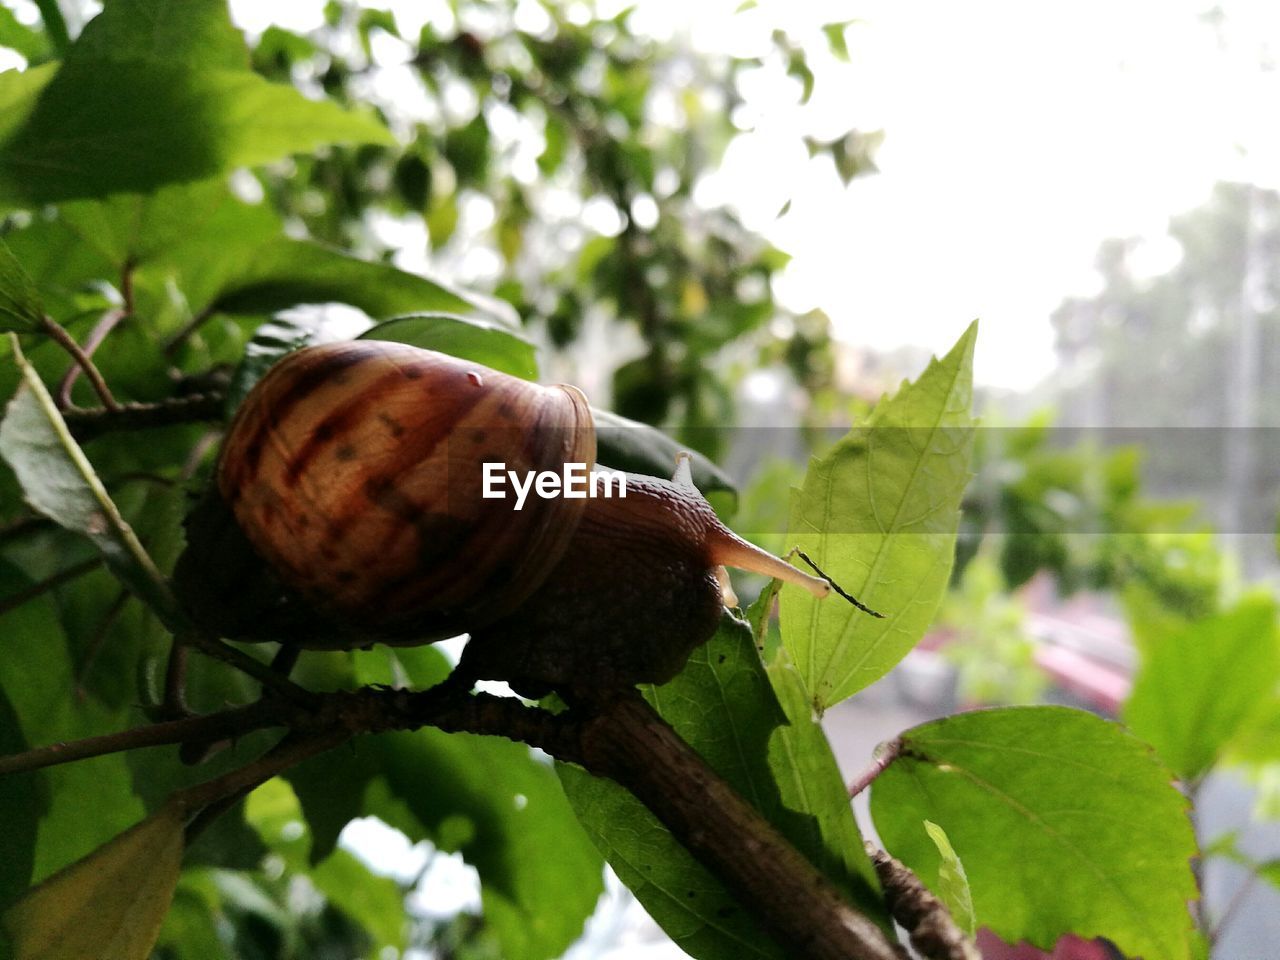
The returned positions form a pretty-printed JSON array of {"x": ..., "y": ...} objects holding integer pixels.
[{"x": 745, "y": 221}]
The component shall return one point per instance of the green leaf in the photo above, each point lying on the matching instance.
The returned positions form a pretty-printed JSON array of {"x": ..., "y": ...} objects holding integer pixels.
[
  {"x": 504, "y": 811},
  {"x": 723, "y": 705},
  {"x": 106, "y": 126},
  {"x": 270, "y": 342},
  {"x": 879, "y": 514},
  {"x": 639, "y": 448},
  {"x": 58, "y": 481},
  {"x": 284, "y": 273},
  {"x": 1068, "y": 825},
  {"x": 32, "y": 44},
  {"x": 1200, "y": 686},
  {"x": 110, "y": 904},
  {"x": 54, "y": 24},
  {"x": 953, "y": 883},
  {"x": 477, "y": 340},
  {"x": 20, "y": 306},
  {"x": 835, "y": 33},
  {"x": 154, "y": 93},
  {"x": 19, "y": 93}
]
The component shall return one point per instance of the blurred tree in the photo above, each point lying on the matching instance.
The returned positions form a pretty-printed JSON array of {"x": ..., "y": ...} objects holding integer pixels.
[
  {"x": 1195, "y": 345},
  {"x": 553, "y": 156}
]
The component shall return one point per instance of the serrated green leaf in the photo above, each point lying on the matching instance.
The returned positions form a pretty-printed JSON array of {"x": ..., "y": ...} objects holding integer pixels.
[
  {"x": 953, "y": 883},
  {"x": 20, "y": 306},
  {"x": 1201, "y": 686},
  {"x": 723, "y": 705},
  {"x": 879, "y": 514},
  {"x": 1068, "y": 825},
  {"x": 639, "y": 448},
  {"x": 540, "y": 876},
  {"x": 477, "y": 340},
  {"x": 110, "y": 904},
  {"x": 58, "y": 481}
]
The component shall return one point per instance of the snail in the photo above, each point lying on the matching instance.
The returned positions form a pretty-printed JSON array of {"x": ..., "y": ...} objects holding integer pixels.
[{"x": 355, "y": 471}]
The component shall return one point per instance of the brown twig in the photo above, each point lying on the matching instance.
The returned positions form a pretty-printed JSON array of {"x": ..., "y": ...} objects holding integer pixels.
[
  {"x": 213, "y": 797},
  {"x": 262, "y": 672},
  {"x": 55, "y": 330},
  {"x": 86, "y": 424},
  {"x": 226, "y": 723},
  {"x": 933, "y": 931},
  {"x": 190, "y": 327},
  {"x": 15, "y": 600},
  {"x": 628, "y": 742},
  {"x": 885, "y": 754},
  {"x": 104, "y": 326}
]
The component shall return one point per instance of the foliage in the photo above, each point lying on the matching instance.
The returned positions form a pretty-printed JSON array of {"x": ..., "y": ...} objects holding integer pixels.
[
  {"x": 176, "y": 268},
  {"x": 1058, "y": 790},
  {"x": 879, "y": 513}
]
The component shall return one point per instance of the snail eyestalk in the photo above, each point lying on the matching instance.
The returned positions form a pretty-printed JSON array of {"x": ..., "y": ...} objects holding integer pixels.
[
  {"x": 836, "y": 587},
  {"x": 731, "y": 550}
]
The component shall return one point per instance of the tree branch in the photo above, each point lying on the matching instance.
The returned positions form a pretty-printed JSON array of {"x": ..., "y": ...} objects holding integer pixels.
[
  {"x": 933, "y": 931},
  {"x": 620, "y": 737},
  {"x": 86, "y": 424},
  {"x": 628, "y": 742},
  {"x": 226, "y": 723}
]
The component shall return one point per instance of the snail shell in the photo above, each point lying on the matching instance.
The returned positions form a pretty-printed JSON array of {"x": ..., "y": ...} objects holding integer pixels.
[{"x": 355, "y": 470}]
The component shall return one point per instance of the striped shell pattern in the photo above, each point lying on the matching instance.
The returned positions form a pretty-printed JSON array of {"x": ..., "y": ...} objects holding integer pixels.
[{"x": 355, "y": 469}]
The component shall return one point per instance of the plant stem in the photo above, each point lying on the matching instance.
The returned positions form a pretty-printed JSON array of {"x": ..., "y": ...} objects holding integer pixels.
[
  {"x": 933, "y": 931},
  {"x": 628, "y": 742},
  {"x": 885, "y": 754},
  {"x": 99, "y": 333},
  {"x": 67, "y": 342},
  {"x": 255, "y": 716},
  {"x": 87, "y": 424},
  {"x": 15, "y": 600}
]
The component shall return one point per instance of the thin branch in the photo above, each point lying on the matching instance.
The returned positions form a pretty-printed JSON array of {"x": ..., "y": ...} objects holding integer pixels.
[
  {"x": 15, "y": 600},
  {"x": 226, "y": 723},
  {"x": 934, "y": 933},
  {"x": 86, "y": 424},
  {"x": 104, "y": 326},
  {"x": 67, "y": 342},
  {"x": 184, "y": 334},
  {"x": 1233, "y": 906},
  {"x": 97, "y": 639},
  {"x": 885, "y": 754},
  {"x": 214, "y": 797},
  {"x": 262, "y": 672}
]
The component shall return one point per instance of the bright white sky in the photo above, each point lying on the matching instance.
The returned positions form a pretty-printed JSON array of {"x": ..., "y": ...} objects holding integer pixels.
[{"x": 1017, "y": 137}]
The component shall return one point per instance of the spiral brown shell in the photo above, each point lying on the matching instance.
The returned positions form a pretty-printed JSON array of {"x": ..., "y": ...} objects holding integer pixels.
[{"x": 355, "y": 469}]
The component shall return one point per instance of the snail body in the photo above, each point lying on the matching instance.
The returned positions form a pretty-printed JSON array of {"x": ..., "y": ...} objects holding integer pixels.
[{"x": 355, "y": 471}]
